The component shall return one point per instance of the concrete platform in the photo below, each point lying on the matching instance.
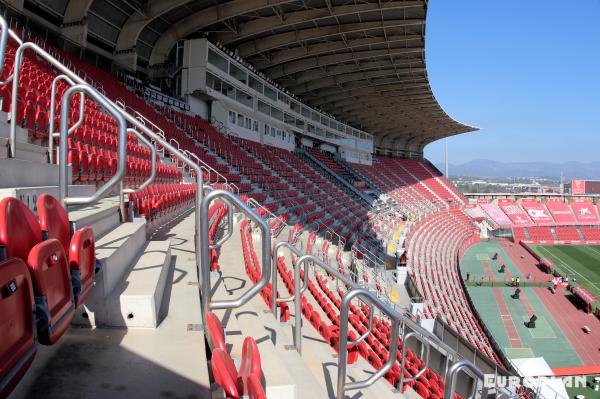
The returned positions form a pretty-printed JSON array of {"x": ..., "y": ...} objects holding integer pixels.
[
  {"x": 135, "y": 302},
  {"x": 24, "y": 173}
]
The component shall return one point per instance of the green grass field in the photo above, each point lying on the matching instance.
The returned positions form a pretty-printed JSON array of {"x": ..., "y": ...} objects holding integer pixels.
[{"x": 579, "y": 261}]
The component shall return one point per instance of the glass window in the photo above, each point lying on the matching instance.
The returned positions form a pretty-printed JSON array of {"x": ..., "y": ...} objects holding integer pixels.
[
  {"x": 255, "y": 84},
  {"x": 238, "y": 73},
  {"x": 266, "y": 129},
  {"x": 228, "y": 90},
  {"x": 273, "y": 131},
  {"x": 217, "y": 60},
  {"x": 243, "y": 98},
  {"x": 255, "y": 126},
  {"x": 306, "y": 112},
  {"x": 270, "y": 93},
  {"x": 240, "y": 120},
  {"x": 232, "y": 117},
  {"x": 264, "y": 108},
  {"x": 276, "y": 113},
  {"x": 295, "y": 106},
  {"x": 248, "y": 123}
]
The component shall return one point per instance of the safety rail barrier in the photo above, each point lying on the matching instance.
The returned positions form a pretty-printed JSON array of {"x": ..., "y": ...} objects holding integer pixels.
[
  {"x": 205, "y": 284},
  {"x": 320, "y": 226},
  {"x": 270, "y": 216},
  {"x": 51, "y": 133}
]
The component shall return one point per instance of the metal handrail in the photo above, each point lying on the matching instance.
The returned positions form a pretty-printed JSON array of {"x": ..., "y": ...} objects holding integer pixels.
[
  {"x": 395, "y": 318},
  {"x": 206, "y": 292},
  {"x": 424, "y": 348},
  {"x": 274, "y": 278},
  {"x": 134, "y": 121},
  {"x": 256, "y": 205},
  {"x": 63, "y": 184},
  {"x": 52, "y": 134},
  {"x": 152, "y": 176},
  {"x": 452, "y": 373},
  {"x": 227, "y": 236},
  {"x": 6, "y": 32}
]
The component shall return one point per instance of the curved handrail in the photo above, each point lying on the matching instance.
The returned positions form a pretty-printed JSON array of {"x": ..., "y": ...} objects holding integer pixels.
[
  {"x": 52, "y": 134},
  {"x": 395, "y": 318},
  {"x": 226, "y": 237},
  {"x": 207, "y": 303},
  {"x": 152, "y": 176},
  {"x": 424, "y": 346},
  {"x": 274, "y": 278},
  {"x": 63, "y": 184},
  {"x": 452, "y": 373},
  {"x": 3, "y": 42}
]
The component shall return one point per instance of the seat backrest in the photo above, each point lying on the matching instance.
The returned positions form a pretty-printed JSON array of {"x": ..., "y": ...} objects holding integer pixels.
[
  {"x": 54, "y": 219},
  {"x": 217, "y": 335},
  {"x": 17, "y": 346},
  {"x": 82, "y": 258},
  {"x": 51, "y": 279},
  {"x": 250, "y": 363},
  {"x": 225, "y": 374},
  {"x": 19, "y": 228},
  {"x": 255, "y": 389}
]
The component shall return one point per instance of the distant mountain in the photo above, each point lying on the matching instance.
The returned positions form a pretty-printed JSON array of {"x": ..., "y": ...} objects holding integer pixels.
[{"x": 488, "y": 168}]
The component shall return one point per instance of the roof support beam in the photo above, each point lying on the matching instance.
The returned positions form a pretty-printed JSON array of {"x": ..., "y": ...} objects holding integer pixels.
[
  {"x": 332, "y": 81},
  {"x": 268, "y": 24},
  {"x": 379, "y": 90},
  {"x": 204, "y": 18},
  {"x": 319, "y": 62},
  {"x": 268, "y": 43},
  {"x": 130, "y": 32},
  {"x": 296, "y": 53}
]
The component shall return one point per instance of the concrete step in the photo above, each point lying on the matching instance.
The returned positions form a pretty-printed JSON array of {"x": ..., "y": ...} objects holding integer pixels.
[
  {"x": 25, "y": 151},
  {"x": 29, "y": 195},
  {"x": 136, "y": 300},
  {"x": 15, "y": 172},
  {"x": 102, "y": 216},
  {"x": 116, "y": 253}
]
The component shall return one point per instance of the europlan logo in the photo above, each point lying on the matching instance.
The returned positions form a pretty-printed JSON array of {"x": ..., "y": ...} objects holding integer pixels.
[{"x": 513, "y": 381}]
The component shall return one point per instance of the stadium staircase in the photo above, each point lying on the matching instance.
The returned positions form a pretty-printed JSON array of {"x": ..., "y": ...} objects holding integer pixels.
[
  {"x": 317, "y": 158},
  {"x": 132, "y": 249}
]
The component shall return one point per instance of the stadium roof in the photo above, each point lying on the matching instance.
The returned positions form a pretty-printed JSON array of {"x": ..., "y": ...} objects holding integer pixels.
[{"x": 362, "y": 61}]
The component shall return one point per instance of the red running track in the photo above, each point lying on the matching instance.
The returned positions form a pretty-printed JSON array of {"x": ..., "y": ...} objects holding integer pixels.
[{"x": 524, "y": 261}]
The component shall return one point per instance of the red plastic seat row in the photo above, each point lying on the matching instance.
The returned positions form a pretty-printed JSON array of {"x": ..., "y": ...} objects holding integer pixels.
[
  {"x": 45, "y": 273},
  {"x": 235, "y": 383}
]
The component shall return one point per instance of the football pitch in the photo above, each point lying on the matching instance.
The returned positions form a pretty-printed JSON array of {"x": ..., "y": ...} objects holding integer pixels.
[{"x": 579, "y": 261}]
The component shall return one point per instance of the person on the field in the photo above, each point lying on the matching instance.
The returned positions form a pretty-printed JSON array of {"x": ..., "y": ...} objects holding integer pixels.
[{"x": 517, "y": 281}]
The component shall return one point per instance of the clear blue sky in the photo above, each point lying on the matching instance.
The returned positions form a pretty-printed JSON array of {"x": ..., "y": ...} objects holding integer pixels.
[{"x": 527, "y": 72}]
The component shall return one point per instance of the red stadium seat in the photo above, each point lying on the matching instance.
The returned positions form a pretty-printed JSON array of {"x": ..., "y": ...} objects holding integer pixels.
[
  {"x": 217, "y": 335},
  {"x": 80, "y": 248},
  {"x": 19, "y": 228},
  {"x": 250, "y": 362},
  {"x": 52, "y": 287},
  {"x": 17, "y": 329},
  {"x": 255, "y": 389},
  {"x": 224, "y": 372}
]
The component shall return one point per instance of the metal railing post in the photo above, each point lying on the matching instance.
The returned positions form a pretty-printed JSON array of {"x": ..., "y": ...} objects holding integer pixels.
[
  {"x": 425, "y": 345},
  {"x": 207, "y": 303},
  {"x": 395, "y": 318},
  {"x": 52, "y": 134},
  {"x": 63, "y": 182},
  {"x": 452, "y": 373},
  {"x": 274, "y": 279},
  {"x": 152, "y": 176}
]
